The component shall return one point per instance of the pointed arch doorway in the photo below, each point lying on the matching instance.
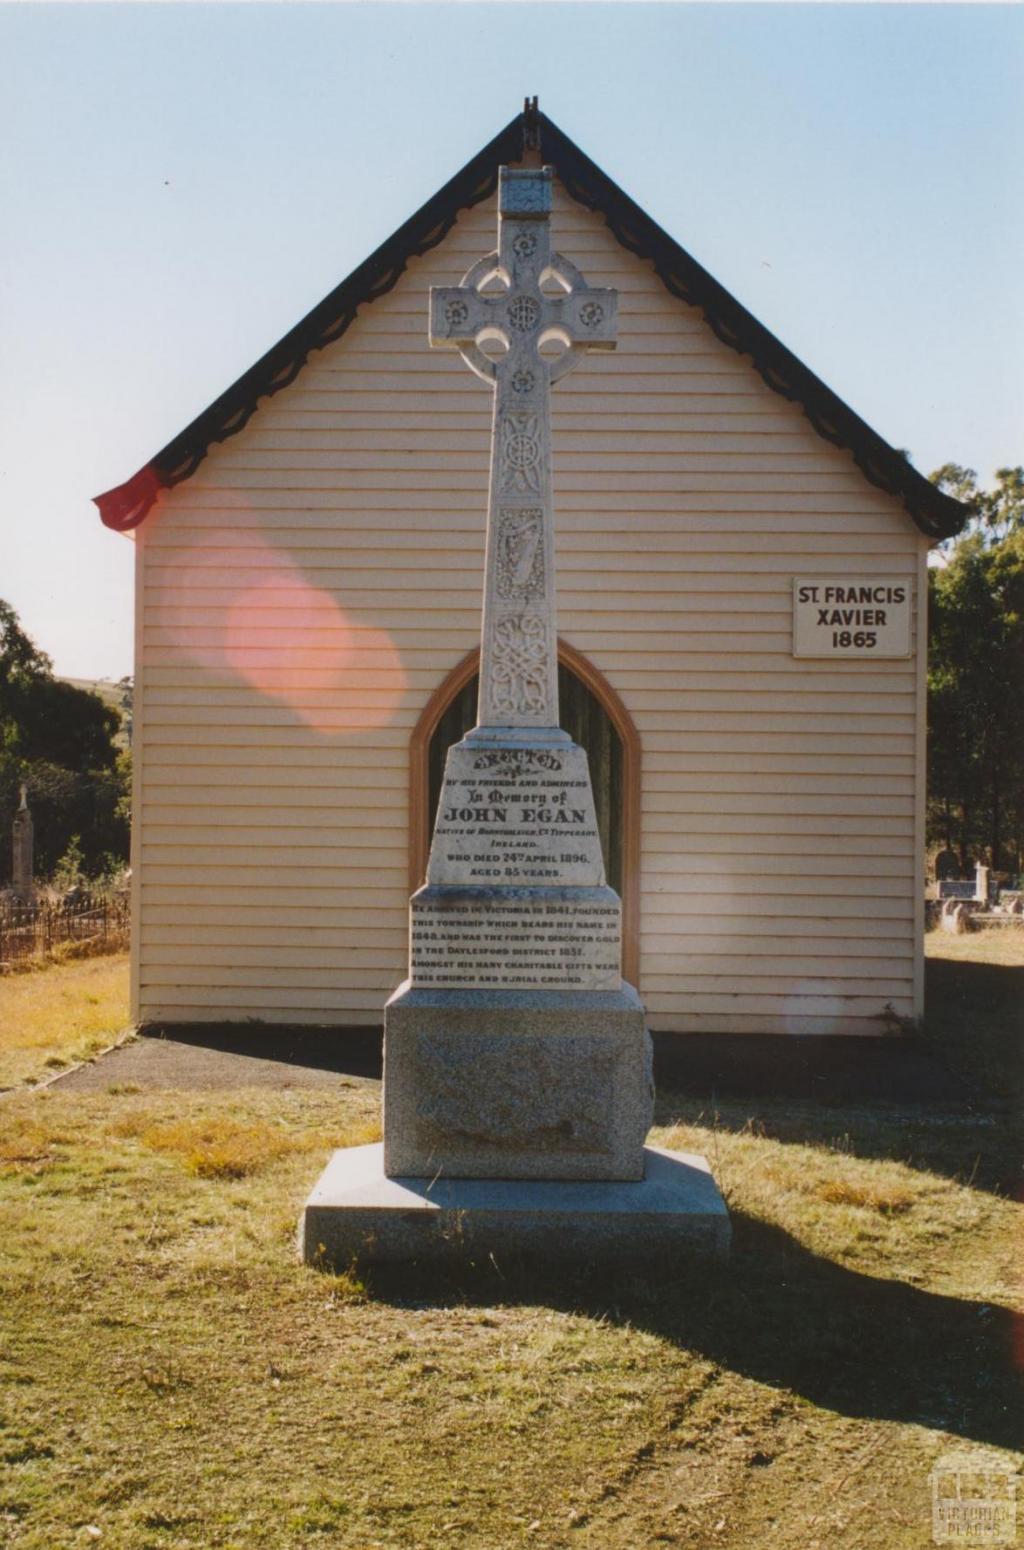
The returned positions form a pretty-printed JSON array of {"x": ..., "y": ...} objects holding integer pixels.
[{"x": 595, "y": 717}]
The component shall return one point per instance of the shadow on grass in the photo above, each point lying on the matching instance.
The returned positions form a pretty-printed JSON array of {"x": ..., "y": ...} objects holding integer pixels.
[
  {"x": 947, "y": 1101},
  {"x": 980, "y": 1146},
  {"x": 975, "y": 1024},
  {"x": 780, "y": 1315}
]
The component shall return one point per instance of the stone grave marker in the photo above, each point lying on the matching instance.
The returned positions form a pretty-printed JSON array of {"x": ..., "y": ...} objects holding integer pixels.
[
  {"x": 947, "y": 866},
  {"x": 518, "y": 1084},
  {"x": 984, "y": 885},
  {"x": 22, "y": 880},
  {"x": 956, "y": 888}
]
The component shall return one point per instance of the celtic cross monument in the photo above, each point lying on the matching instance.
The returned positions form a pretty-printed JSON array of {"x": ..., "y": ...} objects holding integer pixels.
[
  {"x": 517, "y": 1063},
  {"x": 514, "y": 1050}
]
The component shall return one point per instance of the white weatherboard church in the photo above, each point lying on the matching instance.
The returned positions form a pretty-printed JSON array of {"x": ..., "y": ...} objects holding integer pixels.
[{"x": 741, "y": 596}]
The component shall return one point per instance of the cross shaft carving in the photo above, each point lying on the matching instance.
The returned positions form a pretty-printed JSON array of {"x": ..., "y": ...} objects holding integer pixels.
[{"x": 519, "y": 652}]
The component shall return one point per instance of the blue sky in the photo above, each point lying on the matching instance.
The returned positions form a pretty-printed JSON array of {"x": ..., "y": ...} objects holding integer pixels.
[{"x": 180, "y": 183}]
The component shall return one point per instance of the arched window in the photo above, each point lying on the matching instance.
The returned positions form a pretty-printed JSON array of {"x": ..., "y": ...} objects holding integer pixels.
[{"x": 595, "y": 717}]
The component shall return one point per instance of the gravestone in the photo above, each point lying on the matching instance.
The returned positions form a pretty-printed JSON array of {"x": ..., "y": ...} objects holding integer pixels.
[
  {"x": 957, "y": 888},
  {"x": 518, "y": 1085},
  {"x": 22, "y": 881},
  {"x": 983, "y": 890},
  {"x": 947, "y": 866}
]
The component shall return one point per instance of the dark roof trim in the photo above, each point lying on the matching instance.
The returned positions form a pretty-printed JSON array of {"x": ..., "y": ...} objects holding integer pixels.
[
  {"x": 128, "y": 504},
  {"x": 937, "y": 515}
]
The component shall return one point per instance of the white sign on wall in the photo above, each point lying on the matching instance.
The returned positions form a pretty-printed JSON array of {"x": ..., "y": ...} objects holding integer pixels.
[{"x": 851, "y": 616}]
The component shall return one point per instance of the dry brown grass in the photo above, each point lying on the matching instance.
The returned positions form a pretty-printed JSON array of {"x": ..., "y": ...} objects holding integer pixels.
[
  {"x": 216, "y": 1146},
  {"x": 29, "y": 1143},
  {"x": 844, "y": 1192},
  {"x": 1002, "y": 946},
  {"x": 56, "y": 1016}
]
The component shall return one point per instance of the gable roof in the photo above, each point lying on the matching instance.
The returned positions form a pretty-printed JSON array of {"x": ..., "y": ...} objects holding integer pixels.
[{"x": 937, "y": 515}]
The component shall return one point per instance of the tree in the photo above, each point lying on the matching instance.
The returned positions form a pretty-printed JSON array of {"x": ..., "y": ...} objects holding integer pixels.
[
  {"x": 976, "y": 682},
  {"x": 58, "y": 740},
  {"x": 19, "y": 658},
  {"x": 996, "y": 513},
  {"x": 64, "y": 725}
]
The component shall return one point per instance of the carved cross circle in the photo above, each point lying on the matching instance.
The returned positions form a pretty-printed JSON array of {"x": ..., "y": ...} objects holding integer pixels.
[{"x": 582, "y": 316}]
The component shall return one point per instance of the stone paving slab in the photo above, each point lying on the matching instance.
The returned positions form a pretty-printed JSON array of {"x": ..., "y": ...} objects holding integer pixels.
[{"x": 356, "y": 1213}]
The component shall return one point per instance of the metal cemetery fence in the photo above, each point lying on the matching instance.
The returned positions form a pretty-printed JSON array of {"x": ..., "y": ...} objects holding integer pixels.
[{"x": 87, "y": 923}]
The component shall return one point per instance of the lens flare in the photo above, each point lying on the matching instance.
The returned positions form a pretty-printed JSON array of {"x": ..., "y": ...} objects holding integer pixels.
[{"x": 248, "y": 615}]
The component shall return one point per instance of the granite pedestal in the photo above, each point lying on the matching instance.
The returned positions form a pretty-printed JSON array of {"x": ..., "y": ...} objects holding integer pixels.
[{"x": 524, "y": 1084}]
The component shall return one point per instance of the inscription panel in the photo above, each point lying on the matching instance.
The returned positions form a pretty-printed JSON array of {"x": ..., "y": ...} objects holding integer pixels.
[
  {"x": 852, "y": 616},
  {"x": 516, "y": 817},
  {"x": 537, "y": 941}
]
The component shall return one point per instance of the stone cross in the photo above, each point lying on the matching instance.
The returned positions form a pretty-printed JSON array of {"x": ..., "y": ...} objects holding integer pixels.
[{"x": 519, "y": 646}]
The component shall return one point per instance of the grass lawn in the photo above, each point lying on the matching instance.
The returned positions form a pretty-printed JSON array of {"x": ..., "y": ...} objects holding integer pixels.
[
  {"x": 171, "y": 1377},
  {"x": 53, "y": 1017}
]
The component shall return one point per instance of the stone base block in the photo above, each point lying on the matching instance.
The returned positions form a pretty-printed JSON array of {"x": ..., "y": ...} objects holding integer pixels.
[
  {"x": 358, "y": 1214},
  {"x": 516, "y": 1084}
]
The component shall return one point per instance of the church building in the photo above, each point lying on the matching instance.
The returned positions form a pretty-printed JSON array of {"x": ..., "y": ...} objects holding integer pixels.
[{"x": 741, "y": 578}]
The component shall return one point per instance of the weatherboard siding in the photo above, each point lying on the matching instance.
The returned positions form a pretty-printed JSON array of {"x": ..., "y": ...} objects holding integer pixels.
[{"x": 304, "y": 593}]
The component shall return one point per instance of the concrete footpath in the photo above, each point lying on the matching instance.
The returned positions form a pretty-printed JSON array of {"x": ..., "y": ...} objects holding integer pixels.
[{"x": 203, "y": 1059}]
